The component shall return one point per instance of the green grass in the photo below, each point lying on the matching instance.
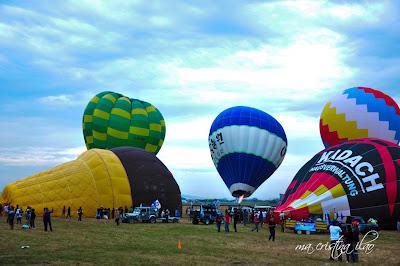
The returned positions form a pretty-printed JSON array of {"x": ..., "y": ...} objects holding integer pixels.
[{"x": 93, "y": 242}]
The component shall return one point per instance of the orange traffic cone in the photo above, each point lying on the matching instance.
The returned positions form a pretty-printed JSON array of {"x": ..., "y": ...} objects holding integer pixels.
[{"x": 179, "y": 246}]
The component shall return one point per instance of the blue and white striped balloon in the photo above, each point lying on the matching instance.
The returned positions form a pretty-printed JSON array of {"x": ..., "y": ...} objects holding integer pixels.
[{"x": 247, "y": 145}]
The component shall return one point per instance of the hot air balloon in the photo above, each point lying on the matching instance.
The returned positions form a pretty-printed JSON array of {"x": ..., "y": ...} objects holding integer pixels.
[
  {"x": 113, "y": 120},
  {"x": 360, "y": 112},
  {"x": 114, "y": 178},
  {"x": 247, "y": 145},
  {"x": 355, "y": 178}
]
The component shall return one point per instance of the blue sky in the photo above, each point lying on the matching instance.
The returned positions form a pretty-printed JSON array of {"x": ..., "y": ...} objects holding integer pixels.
[{"x": 191, "y": 59}]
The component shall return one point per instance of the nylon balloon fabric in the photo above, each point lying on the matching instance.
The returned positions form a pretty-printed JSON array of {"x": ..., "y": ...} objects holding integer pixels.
[
  {"x": 360, "y": 112},
  {"x": 113, "y": 120},
  {"x": 355, "y": 178},
  {"x": 96, "y": 178},
  {"x": 247, "y": 145}
]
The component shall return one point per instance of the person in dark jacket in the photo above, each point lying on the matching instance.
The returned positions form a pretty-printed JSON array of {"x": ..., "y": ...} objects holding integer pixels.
[
  {"x": 271, "y": 225},
  {"x": 69, "y": 212},
  {"x": 235, "y": 219},
  {"x": 32, "y": 218},
  {"x": 80, "y": 212},
  {"x": 348, "y": 241},
  {"x": 355, "y": 238},
  {"x": 47, "y": 219},
  {"x": 218, "y": 221},
  {"x": 10, "y": 217}
]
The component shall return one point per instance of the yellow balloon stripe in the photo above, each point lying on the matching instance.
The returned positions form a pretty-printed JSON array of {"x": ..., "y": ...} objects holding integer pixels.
[
  {"x": 87, "y": 118},
  {"x": 139, "y": 111},
  {"x": 99, "y": 135},
  {"x": 120, "y": 112},
  {"x": 150, "y": 147},
  {"x": 101, "y": 114},
  {"x": 155, "y": 127},
  {"x": 338, "y": 123},
  {"x": 117, "y": 133},
  {"x": 139, "y": 131}
]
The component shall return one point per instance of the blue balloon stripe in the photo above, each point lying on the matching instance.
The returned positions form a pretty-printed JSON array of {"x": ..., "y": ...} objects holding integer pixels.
[
  {"x": 244, "y": 168},
  {"x": 242, "y": 115},
  {"x": 386, "y": 113}
]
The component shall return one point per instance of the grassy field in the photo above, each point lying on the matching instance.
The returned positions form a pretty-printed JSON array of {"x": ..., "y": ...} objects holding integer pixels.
[{"x": 92, "y": 242}]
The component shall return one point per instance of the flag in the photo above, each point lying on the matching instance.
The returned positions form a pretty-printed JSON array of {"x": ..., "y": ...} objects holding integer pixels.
[{"x": 156, "y": 204}]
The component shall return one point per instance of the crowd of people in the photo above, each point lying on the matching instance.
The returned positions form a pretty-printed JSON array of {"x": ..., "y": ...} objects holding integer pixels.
[
  {"x": 255, "y": 217},
  {"x": 26, "y": 218}
]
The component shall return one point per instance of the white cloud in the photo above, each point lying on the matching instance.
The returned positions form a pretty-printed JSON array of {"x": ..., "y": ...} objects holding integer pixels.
[{"x": 36, "y": 156}]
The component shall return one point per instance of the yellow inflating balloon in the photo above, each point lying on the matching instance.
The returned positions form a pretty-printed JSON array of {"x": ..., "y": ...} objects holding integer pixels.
[{"x": 96, "y": 178}]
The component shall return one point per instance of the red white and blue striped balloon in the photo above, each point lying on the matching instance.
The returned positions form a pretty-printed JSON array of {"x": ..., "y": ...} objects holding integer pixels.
[
  {"x": 357, "y": 113},
  {"x": 247, "y": 145}
]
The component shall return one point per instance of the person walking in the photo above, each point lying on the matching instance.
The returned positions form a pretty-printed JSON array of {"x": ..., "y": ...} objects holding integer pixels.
[
  {"x": 80, "y": 212},
  {"x": 227, "y": 220},
  {"x": 235, "y": 219},
  {"x": 32, "y": 218},
  {"x": 271, "y": 225},
  {"x": 68, "y": 212},
  {"x": 47, "y": 219},
  {"x": 63, "y": 212},
  {"x": 256, "y": 222},
  {"x": 334, "y": 231},
  {"x": 10, "y": 217},
  {"x": 261, "y": 218}
]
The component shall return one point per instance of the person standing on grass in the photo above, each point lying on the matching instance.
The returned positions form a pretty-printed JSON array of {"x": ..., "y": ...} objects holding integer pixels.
[
  {"x": 117, "y": 215},
  {"x": 218, "y": 221},
  {"x": 334, "y": 231},
  {"x": 271, "y": 225},
  {"x": 6, "y": 212},
  {"x": 68, "y": 212},
  {"x": 227, "y": 221},
  {"x": 1, "y": 209},
  {"x": 32, "y": 218},
  {"x": 47, "y": 219},
  {"x": 80, "y": 212},
  {"x": 63, "y": 212},
  {"x": 355, "y": 238},
  {"x": 18, "y": 213},
  {"x": 10, "y": 217},
  {"x": 256, "y": 222},
  {"x": 235, "y": 219},
  {"x": 245, "y": 217}
]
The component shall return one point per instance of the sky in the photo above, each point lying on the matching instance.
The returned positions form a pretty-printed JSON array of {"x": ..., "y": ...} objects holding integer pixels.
[{"x": 192, "y": 60}]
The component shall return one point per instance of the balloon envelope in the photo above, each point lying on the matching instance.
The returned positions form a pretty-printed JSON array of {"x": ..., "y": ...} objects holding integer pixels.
[
  {"x": 113, "y": 120},
  {"x": 355, "y": 178},
  {"x": 247, "y": 145},
  {"x": 360, "y": 112}
]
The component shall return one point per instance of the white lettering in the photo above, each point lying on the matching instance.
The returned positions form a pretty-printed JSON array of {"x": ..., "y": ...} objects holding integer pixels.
[
  {"x": 363, "y": 165},
  {"x": 374, "y": 185}
]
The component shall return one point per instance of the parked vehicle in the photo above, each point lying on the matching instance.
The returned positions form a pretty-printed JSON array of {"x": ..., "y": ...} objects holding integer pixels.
[
  {"x": 205, "y": 214},
  {"x": 142, "y": 214},
  {"x": 362, "y": 225}
]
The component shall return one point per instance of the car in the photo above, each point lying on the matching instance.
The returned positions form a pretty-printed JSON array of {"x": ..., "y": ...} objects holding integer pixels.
[
  {"x": 205, "y": 214},
  {"x": 362, "y": 225},
  {"x": 142, "y": 214}
]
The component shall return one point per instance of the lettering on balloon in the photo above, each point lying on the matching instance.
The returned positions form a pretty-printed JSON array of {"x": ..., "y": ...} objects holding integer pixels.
[
  {"x": 216, "y": 146},
  {"x": 350, "y": 168}
]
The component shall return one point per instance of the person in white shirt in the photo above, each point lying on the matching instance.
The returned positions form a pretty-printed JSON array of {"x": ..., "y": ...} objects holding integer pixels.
[{"x": 334, "y": 231}]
